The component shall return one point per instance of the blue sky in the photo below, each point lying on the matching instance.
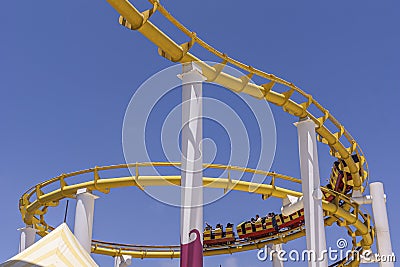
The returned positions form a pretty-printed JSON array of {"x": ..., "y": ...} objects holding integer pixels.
[{"x": 68, "y": 71}]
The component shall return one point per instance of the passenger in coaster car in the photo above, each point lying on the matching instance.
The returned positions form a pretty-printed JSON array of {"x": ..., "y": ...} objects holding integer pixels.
[
  {"x": 274, "y": 223},
  {"x": 253, "y": 224},
  {"x": 219, "y": 226}
]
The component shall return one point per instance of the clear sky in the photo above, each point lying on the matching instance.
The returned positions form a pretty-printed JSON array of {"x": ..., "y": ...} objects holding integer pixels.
[{"x": 68, "y": 71}]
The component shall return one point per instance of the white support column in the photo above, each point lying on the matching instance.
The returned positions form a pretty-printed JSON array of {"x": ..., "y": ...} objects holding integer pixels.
[
  {"x": 192, "y": 174},
  {"x": 27, "y": 237},
  {"x": 122, "y": 261},
  {"x": 83, "y": 228},
  {"x": 312, "y": 194},
  {"x": 384, "y": 244},
  {"x": 291, "y": 204},
  {"x": 276, "y": 262}
]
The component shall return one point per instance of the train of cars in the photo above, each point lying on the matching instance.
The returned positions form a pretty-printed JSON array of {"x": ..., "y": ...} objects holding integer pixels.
[
  {"x": 251, "y": 230},
  {"x": 275, "y": 223}
]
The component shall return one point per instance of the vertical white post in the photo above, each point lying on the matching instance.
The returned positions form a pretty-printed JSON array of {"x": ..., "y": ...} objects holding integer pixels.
[
  {"x": 384, "y": 244},
  {"x": 83, "y": 228},
  {"x": 27, "y": 237},
  {"x": 312, "y": 194},
  {"x": 122, "y": 261},
  {"x": 192, "y": 174},
  {"x": 276, "y": 262}
]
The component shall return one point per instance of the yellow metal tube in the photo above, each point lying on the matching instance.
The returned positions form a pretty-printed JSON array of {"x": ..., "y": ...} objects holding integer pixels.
[{"x": 175, "y": 51}]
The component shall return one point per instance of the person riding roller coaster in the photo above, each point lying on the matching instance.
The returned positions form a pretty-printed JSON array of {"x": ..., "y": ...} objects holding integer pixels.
[
  {"x": 274, "y": 223},
  {"x": 340, "y": 174}
]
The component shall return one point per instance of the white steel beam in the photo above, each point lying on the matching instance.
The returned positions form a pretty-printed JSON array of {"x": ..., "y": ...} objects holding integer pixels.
[
  {"x": 192, "y": 164},
  {"x": 384, "y": 244},
  {"x": 122, "y": 261},
  {"x": 83, "y": 228},
  {"x": 27, "y": 237},
  {"x": 312, "y": 194}
]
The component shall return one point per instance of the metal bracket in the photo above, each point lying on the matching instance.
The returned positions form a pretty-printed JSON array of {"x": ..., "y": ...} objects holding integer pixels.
[
  {"x": 146, "y": 15},
  {"x": 185, "y": 49},
  {"x": 228, "y": 185},
  {"x": 245, "y": 80},
  {"x": 218, "y": 69},
  {"x": 96, "y": 179},
  {"x": 267, "y": 88},
  {"x": 137, "y": 177}
]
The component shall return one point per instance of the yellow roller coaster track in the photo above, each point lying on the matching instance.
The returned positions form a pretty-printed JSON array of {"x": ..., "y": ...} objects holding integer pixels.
[
  {"x": 140, "y": 21},
  {"x": 35, "y": 202}
]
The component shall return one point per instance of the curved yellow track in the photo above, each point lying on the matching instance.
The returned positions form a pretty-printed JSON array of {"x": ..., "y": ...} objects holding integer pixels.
[
  {"x": 35, "y": 202},
  {"x": 341, "y": 143}
]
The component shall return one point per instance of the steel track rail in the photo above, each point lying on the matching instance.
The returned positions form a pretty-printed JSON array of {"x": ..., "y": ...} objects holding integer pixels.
[
  {"x": 35, "y": 202},
  {"x": 140, "y": 21}
]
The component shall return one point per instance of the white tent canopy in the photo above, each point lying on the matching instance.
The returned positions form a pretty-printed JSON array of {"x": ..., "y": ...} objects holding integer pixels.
[{"x": 59, "y": 248}]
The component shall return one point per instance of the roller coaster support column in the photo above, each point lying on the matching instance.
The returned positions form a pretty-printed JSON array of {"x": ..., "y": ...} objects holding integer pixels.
[
  {"x": 312, "y": 195},
  {"x": 275, "y": 249},
  {"x": 192, "y": 174},
  {"x": 384, "y": 244},
  {"x": 122, "y": 261},
  {"x": 27, "y": 238},
  {"x": 83, "y": 228}
]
